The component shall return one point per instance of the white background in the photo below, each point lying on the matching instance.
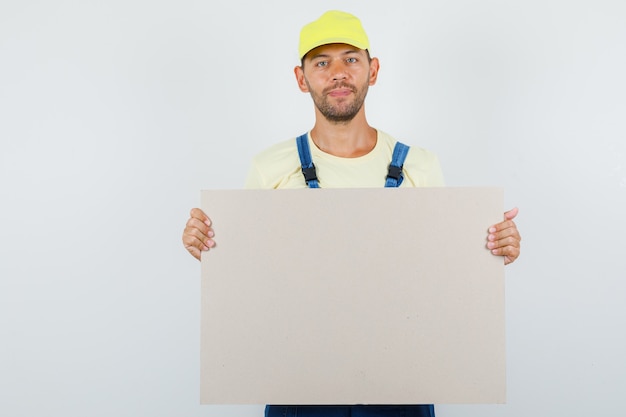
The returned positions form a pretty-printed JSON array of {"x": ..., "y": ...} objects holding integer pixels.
[{"x": 113, "y": 115}]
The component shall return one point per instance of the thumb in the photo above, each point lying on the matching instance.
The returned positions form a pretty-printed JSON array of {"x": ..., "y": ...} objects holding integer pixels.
[{"x": 510, "y": 215}]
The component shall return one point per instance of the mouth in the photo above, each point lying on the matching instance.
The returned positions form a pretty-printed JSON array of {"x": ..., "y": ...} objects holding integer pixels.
[{"x": 341, "y": 90}]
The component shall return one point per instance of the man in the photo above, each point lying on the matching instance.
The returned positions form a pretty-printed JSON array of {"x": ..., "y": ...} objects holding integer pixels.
[{"x": 342, "y": 151}]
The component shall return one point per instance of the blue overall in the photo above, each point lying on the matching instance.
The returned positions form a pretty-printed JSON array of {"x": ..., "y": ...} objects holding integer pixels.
[{"x": 394, "y": 179}]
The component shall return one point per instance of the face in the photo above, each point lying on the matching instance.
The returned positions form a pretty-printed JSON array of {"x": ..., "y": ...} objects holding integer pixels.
[{"x": 337, "y": 76}]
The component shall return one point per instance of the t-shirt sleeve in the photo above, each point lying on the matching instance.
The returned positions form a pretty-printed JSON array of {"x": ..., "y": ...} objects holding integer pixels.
[
  {"x": 422, "y": 169},
  {"x": 254, "y": 180},
  {"x": 275, "y": 167}
]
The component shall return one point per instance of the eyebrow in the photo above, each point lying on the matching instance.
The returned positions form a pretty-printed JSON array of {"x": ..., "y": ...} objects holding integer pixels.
[{"x": 322, "y": 55}]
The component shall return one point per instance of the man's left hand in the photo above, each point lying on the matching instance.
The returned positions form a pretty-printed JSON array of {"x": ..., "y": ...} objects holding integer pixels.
[{"x": 504, "y": 239}]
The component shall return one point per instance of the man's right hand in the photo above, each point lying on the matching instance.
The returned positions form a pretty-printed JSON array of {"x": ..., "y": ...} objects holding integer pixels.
[{"x": 198, "y": 234}]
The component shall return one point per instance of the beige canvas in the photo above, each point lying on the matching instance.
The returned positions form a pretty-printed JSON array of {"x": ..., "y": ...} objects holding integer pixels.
[{"x": 352, "y": 296}]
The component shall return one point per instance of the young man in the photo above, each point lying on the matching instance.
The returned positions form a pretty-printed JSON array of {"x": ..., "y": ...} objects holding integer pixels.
[{"x": 343, "y": 151}]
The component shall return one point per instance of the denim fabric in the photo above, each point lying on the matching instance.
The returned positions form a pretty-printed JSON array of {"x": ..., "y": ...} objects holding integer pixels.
[
  {"x": 308, "y": 168},
  {"x": 400, "y": 152},
  {"x": 349, "y": 411}
]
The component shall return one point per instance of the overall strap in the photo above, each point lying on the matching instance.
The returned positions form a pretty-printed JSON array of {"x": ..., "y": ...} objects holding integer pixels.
[
  {"x": 308, "y": 169},
  {"x": 394, "y": 175}
]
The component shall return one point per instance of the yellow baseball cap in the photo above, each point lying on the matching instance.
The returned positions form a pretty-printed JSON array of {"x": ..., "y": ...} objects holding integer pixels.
[{"x": 333, "y": 27}]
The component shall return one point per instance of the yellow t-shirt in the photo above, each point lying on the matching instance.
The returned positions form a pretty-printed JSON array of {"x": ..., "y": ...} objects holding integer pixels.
[{"x": 279, "y": 167}]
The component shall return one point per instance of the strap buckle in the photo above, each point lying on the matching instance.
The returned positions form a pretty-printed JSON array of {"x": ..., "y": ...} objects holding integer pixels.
[
  {"x": 309, "y": 173},
  {"x": 394, "y": 172}
]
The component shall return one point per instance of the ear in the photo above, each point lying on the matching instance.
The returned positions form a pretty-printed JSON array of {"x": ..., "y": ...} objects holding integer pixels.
[
  {"x": 299, "y": 73},
  {"x": 374, "y": 67}
]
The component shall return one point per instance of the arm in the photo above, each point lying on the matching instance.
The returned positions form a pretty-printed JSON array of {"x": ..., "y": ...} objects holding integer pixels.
[
  {"x": 198, "y": 234},
  {"x": 504, "y": 238}
]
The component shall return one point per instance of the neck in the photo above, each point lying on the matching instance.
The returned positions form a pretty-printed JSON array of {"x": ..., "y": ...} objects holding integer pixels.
[{"x": 344, "y": 139}]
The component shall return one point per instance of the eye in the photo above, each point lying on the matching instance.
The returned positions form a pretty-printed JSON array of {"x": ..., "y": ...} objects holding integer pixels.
[
  {"x": 321, "y": 64},
  {"x": 351, "y": 60}
]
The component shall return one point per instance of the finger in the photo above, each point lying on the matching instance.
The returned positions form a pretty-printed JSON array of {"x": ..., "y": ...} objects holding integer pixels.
[
  {"x": 508, "y": 248},
  {"x": 197, "y": 224},
  {"x": 194, "y": 237},
  {"x": 504, "y": 233},
  {"x": 504, "y": 238},
  {"x": 198, "y": 235},
  {"x": 510, "y": 253},
  {"x": 511, "y": 214},
  {"x": 503, "y": 226},
  {"x": 197, "y": 239},
  {"x": 197, "y": 213},
  {"x": 508, "y": 221},
  {"x": 509, "y": 241}
]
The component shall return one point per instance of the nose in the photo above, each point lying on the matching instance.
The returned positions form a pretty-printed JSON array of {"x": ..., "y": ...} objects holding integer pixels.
[{"x": 338, "y": 70}]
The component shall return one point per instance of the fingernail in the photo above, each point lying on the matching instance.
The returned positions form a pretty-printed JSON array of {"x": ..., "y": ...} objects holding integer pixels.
[
  {"x": 491, "y": 245},
  {"x": 211, "y": 234},
  {"x": 492, "y": 230}
]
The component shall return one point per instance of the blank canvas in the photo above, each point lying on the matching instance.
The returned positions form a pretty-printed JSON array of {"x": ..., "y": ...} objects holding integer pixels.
[{"x": 352, "y": 296}]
